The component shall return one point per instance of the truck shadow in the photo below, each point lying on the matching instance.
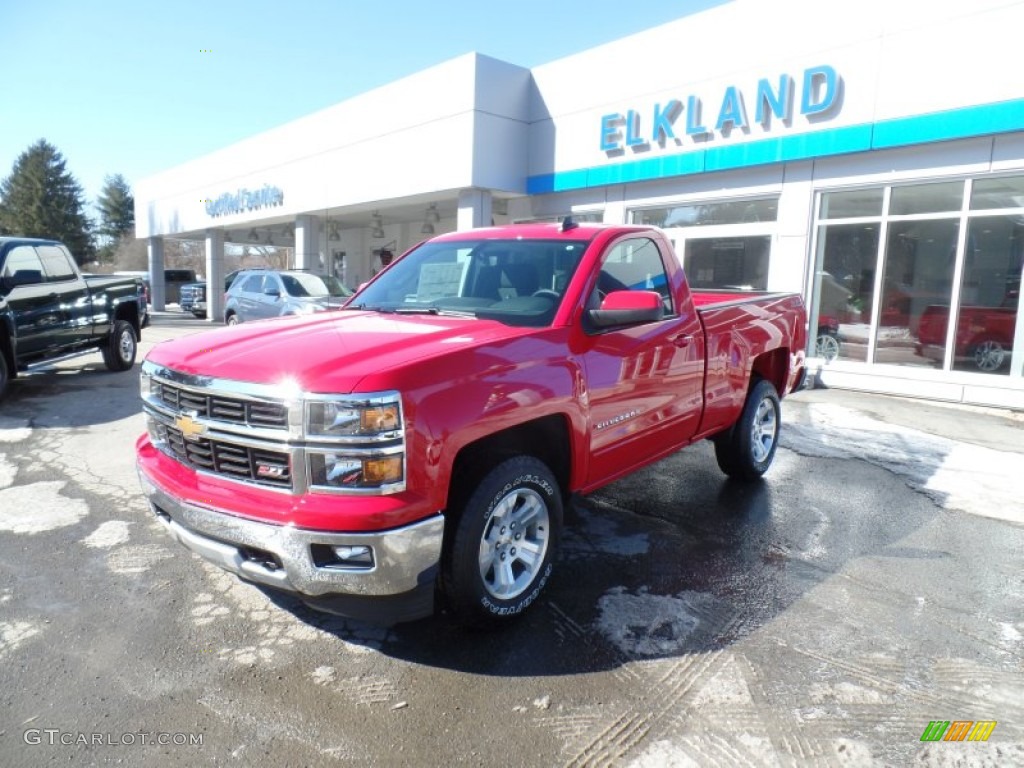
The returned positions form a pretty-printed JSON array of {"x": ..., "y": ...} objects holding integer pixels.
[
  {"x": 671, "y": 562},
  {"x": 78, "y": 393}
]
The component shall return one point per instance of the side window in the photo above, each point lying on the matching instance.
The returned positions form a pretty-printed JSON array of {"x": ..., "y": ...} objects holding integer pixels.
[
  {"x": 252, "y": 284},
  {"x": 292, "y": 286},
  {"x": 56, "y": 262},
  {"x": 272, "y": 283},
  {"x": 23, "y": 258},
  {"x": 635, "y": 265}
]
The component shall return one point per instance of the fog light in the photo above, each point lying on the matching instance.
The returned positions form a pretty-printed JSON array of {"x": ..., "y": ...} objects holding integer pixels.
[
  {"x": 153, "y": 429},
  {"x": 384, "y": 470},
  {"x": 355, "y": 555},
  {"x": 343, "y": 472}
]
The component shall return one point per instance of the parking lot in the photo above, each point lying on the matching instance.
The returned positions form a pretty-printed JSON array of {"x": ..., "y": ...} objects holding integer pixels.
[{"x": 870, "y": 585}]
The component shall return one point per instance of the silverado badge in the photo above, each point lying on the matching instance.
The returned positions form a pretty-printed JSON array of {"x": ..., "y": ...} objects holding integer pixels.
[{"x": 190, "y": 428}]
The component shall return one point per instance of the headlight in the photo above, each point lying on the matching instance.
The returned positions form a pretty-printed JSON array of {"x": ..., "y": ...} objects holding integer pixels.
[
  {"x": 145, "y": 386},
  {"x": 368, "y": 451},
  {"x": 346, "y": 472},
  {"x": 377, "y": 417}
]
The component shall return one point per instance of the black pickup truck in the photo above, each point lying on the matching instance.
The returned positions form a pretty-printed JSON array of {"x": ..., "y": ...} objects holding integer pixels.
[{"x": 49, "y": 310}]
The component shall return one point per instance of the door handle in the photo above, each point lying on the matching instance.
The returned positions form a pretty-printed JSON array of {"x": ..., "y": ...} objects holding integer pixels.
[{"x": 683, "y": 339}]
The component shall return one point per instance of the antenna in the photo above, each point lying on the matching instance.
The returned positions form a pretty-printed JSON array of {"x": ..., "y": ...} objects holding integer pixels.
[{"x": 567, "y": 223}]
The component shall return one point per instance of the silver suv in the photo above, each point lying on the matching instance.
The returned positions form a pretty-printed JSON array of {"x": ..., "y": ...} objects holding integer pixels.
[{"x": 261, "y": 293}]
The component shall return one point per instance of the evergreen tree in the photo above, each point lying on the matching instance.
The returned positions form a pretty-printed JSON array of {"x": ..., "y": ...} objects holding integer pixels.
[
  {"x": 117, "y": 208},
  {"x": 42, "y": 199}
]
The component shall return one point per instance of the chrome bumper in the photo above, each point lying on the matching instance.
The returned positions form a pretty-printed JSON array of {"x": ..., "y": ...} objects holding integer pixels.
[{"x": 404, "y": 559}]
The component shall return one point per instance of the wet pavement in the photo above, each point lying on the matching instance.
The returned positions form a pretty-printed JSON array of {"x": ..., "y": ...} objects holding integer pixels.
[{"x": 869, "y": 585}]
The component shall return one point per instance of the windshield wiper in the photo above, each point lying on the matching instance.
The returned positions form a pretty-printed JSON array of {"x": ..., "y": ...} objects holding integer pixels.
[
  {"x": 433, "y": 311},
  {"x": 366, "y": 308}
]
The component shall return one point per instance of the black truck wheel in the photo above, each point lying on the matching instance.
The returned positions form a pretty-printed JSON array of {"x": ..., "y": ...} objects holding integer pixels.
[
  {"x": 121, "y": 347},
  {"x": 504, "y": 543},
  {"x": 747, "y": 450}
]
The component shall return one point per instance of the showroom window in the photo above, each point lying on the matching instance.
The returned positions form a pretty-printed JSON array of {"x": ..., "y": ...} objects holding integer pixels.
[
  {"x": 892, "y": 264},
  {"x": 725, "y": 245}
]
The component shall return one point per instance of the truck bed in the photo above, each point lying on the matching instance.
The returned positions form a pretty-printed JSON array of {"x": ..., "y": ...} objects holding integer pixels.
[{"x": 708, "y": 298}]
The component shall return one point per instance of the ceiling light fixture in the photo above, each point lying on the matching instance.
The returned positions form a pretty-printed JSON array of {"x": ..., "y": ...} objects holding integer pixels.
[
  {"x": 254, "y": 235},
  {"x": 427, "y": 228},
  {"x": 433, "y": 217}
]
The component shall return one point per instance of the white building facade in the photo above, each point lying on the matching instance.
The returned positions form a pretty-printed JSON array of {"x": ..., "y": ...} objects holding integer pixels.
[{"x": 870, "y": 157}]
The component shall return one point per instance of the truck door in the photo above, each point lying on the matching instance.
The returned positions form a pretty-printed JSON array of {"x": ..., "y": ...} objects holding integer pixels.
[
  {"x": 34, "y": 306},
  {"x": 271, "y": 299},
  {"x": 644, "y": 382},
  {"x": 76, "y": 319}
]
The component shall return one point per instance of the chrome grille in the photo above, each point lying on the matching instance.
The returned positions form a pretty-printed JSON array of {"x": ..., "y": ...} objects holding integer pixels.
[
  {"x": 231, "y": 409},
  {"x": 257, "y": 465}
]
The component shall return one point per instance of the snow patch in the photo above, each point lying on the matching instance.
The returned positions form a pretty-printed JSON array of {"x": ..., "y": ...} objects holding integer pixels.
[
  {"x": 7, "y": 471},
  {"x": 39, "y": 507},
  {"x": 645, "y": 624},
  {"x": 1011, "y": 637},
  {"x": 14, "y": 633},
  {"x": 324, "y": 675},
  {"x": 971, "y": 478},
  {"x": 128, "y": 560},
  {"x": 14, "y": 430},
  {"x": 664, "y": 754},
  {"x": 109, "y": 534}
]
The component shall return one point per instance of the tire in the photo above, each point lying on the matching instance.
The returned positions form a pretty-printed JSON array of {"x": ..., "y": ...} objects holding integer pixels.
[
  {"x": 990, "y": 355},
  {"x": 231, "y": 319},
  {"x": 747, "y": 450},
  {"x": 121, "y": 347},
  {"x": 504, "y": 543}
]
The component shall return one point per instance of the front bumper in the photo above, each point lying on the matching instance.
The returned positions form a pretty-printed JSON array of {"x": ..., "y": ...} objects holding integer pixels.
[{"x": 398, "y": 586}]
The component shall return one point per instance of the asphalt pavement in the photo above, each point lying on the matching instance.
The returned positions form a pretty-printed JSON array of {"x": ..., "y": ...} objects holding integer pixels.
[{"x": 868, "y": 587}]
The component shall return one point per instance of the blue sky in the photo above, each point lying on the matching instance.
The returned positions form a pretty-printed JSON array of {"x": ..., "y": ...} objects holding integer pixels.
[{"x": 138, "y": 87}]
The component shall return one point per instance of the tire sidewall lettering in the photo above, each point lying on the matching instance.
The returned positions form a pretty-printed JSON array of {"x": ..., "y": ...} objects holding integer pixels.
[
  {"x": 523, "y": 481},
  {"x": 520, "y": 606}
]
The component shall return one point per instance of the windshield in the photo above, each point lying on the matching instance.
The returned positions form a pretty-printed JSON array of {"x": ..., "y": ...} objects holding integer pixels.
[
  {"x": 316, "y": 286},
  {"x": 517, "y": 282}
]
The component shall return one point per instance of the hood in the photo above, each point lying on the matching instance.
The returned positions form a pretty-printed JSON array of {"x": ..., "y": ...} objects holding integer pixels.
[{"x": 327, "y": 352}]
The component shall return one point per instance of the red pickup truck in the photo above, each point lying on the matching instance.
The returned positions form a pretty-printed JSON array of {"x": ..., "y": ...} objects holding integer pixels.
[
  {"x": 416, "y": 448},
  {"x": 984, "y": 335}
]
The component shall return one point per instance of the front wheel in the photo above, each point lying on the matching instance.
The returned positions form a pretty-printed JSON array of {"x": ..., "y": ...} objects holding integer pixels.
[
  {"x": 121, "y": 347},
  {"x": 504, "y": 543},
  {"x": 232, "y": 319},
  {"x": 747, "y": 450}
]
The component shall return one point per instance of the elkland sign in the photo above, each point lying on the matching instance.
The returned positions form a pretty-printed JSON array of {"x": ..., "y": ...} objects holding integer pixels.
[
  {"x": 820, "y": 97},
  {"x": 245, "y": 200}
]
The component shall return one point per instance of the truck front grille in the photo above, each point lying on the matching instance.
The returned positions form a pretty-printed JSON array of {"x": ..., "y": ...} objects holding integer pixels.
[
  {"x": 235, "y": 410},
  {"x": 257, "y": 465}
]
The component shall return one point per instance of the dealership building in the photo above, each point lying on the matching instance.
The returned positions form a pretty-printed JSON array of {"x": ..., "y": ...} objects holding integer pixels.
[{"x": 870, "y": 157}]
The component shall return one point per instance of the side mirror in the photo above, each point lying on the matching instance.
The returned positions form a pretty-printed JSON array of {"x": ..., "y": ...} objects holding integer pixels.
[
  {"x": 273, "y": 292},
  {"x": 23, "y": 277},
  {"x": 627, "y": 308}
]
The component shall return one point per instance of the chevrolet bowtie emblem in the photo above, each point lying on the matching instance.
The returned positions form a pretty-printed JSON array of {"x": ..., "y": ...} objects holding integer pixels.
[{"x": 190, "y": 428}]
